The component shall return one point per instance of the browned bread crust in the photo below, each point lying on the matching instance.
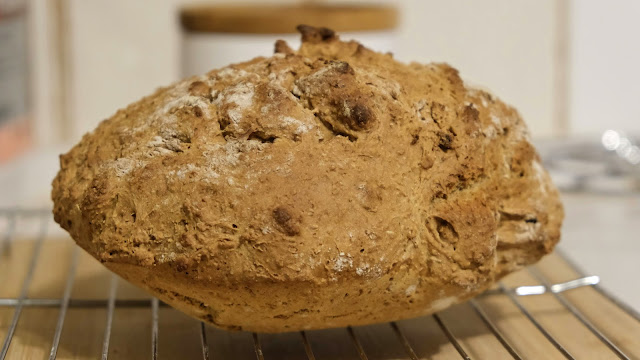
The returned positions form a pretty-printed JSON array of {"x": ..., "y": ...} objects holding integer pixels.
[{"x": 323, "y": 187}]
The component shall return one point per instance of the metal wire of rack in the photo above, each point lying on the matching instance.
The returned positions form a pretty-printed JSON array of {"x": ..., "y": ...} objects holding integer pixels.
[{"x": 112, "y": 303}]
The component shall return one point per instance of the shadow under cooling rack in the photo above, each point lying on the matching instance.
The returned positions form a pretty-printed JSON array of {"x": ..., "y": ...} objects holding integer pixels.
[{"x": 58, "y": 302}]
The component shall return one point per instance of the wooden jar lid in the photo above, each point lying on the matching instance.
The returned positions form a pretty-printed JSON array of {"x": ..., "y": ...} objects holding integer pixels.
[{"x": 282, "y": 19}]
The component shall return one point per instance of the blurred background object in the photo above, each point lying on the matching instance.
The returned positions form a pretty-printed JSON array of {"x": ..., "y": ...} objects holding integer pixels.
[
  {"x": 14, "y": 78},
  {"x": 568, "y": 66},
  {"x": 609, "y": 166},
  {"x": 217, "y": 35}
]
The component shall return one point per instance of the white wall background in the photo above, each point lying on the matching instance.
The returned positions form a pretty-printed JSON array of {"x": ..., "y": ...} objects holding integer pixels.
[
  {"x": 505, "y": 45},
  {"x": 120, "y": 50},
  {"x": 605, "y": 63}
]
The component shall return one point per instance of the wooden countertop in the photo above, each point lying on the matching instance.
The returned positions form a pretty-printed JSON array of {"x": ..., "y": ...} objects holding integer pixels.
[{"x": 61, "y": 268}]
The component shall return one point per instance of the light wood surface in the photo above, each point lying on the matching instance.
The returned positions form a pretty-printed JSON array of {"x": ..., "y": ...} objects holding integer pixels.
[{"x": 179, "y": 336}]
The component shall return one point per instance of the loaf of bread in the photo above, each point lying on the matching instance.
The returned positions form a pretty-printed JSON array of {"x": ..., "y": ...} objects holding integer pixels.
[{"x": 317, "y": 188}]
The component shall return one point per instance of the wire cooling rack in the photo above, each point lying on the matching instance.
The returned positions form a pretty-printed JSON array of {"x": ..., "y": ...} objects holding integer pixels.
[{"x": 549, "y": 311}]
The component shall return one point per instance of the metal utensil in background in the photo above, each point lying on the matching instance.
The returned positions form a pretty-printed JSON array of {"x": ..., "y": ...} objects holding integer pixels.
[{"x": 611, "y": 165}]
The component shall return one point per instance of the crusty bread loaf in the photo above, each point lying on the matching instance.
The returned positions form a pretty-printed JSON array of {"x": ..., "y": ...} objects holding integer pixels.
[{"x": 317, "y": 188}]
